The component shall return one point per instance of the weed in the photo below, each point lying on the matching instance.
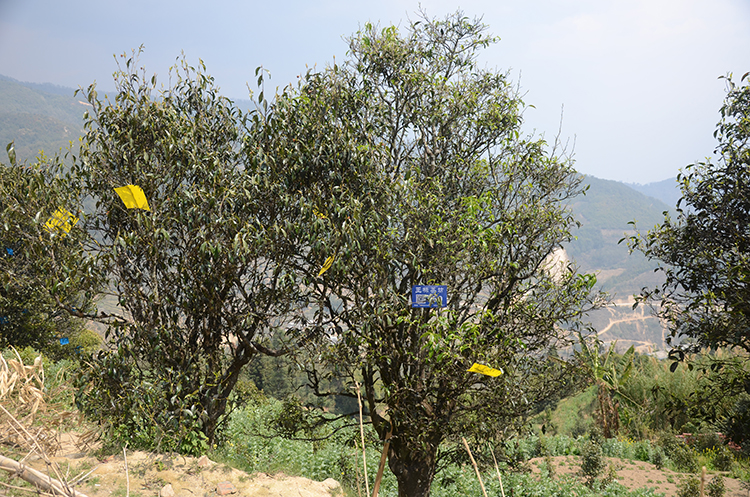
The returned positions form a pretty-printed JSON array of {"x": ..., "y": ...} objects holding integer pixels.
[
  {"x": 690, "y": 487},
  {"x": 716, "y": 487}
]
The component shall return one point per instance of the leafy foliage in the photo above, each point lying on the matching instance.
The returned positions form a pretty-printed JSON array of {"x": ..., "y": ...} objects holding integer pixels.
[
  {"x": 412, "y": 170},
  {"x": 41, "y": 269},
  {"x": 608, "y": 374},
  {"x": 705, "y": 253},
  {"x": 200, "y": 276},
  {"x": 705, "y": 249}
]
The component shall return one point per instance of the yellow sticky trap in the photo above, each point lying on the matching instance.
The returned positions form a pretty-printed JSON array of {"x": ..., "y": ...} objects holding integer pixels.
[
  {"x": 319, "y": 214},
  {"x": 133, "y": 197},
  {"x": 61, "y": 220},
  {"x": 326, "y": 266},
  {"x": 485, "y": 370}
]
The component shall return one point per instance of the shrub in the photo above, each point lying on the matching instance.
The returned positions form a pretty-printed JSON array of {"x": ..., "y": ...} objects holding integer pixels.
[
  {"x": 716, "y": 487},
  {"x": 690, "y": 487},
  {"x": 592, "y": 462},
  {"x": 679, "y": 453},
  {"x": 658, "y": 457},
  {"x": 722, "y": 459}
]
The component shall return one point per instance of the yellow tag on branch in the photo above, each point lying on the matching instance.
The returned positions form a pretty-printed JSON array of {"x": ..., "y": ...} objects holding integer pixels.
[
  {"x": 485, "y": 370},
  {"x": 326, "y": 266},
  {"x": 133, "y": 197},
  {"x": 61, "y": 220}
]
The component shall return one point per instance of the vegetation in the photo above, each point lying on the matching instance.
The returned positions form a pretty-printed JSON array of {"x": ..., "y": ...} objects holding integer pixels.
[
  {"x": 413, "y": 158},
  {"x": 289, "y": 237},
  {"x": 704, "y": 254},
  {"x": 40, "y": 257},
  {"x": 200, "y": 271}
]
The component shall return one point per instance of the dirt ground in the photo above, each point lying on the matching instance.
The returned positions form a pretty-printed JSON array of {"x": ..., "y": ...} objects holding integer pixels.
[
  {"x": 639, "y": 474},
  {"x": 149, "y": 475}
]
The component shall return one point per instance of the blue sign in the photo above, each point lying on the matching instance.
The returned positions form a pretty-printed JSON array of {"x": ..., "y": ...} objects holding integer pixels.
[{"x": 429, "y": 296}]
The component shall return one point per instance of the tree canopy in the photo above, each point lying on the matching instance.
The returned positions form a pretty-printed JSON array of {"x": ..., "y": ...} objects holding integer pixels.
[
  {"x": 705, "y": 250},
  {"x": 704, "y": 254},
  {"x": 199, "y": 272},
  {"x": 412, "y": 169},
  {"x": 42, "y": 271}
]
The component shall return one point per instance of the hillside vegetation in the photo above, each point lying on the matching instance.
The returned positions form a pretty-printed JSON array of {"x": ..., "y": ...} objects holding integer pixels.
[{"x": 36, "y": 120}]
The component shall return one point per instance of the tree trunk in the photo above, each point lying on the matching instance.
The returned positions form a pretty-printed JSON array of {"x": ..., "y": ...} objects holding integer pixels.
[{"x": 414, "y": 469}]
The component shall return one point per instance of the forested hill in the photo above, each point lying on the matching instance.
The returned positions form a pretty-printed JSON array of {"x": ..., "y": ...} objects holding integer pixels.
[
  {"x": 47, "y": 117},
  {"x": 38, "y": 117},
  {"x": 601, "y": 247}
]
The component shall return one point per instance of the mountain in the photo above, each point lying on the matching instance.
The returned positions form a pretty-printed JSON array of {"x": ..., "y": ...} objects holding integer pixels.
[
  {"x": 606, "y": 212},
  {"x": 46, "y": 117},
  {"x": 668, "y": 190},
  {"x": 37, "y": 120}
]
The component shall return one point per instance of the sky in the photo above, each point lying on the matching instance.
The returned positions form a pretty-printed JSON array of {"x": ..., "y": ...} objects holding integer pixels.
[{"x": 632, "y": 85}]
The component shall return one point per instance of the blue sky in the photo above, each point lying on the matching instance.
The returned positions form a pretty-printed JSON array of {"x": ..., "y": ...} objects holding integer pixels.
[{"x": 637, "y": 78}]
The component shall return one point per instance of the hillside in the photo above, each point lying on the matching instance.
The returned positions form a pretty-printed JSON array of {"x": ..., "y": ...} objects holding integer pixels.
[
  {"x": 605, "y": 213},
  {"x": 37, "y": 120},
  {"x": 48, "y": 117},
  {"x": 667, "y": 190}
]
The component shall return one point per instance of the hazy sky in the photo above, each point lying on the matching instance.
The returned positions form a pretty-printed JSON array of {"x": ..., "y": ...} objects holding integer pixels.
[{"x": 637, "y": 78}]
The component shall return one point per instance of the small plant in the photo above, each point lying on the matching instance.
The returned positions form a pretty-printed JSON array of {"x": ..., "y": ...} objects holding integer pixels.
[
  {"x": 690, "y": 487},
  {"x": 592, "y": 462},
  {"x": 716, "y": 487},
  {"x": 550, "y": 466},
  {"x": 610, "y": 477},
  {"x": 657, "y": 457},
  {"x": 722, "y": 459}
]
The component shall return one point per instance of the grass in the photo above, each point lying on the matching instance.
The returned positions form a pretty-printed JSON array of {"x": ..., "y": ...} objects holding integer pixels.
[{"x": 248, "y": 448}]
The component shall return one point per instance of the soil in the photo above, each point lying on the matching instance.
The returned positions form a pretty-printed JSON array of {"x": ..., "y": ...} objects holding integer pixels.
[
  {"x": 639, "y": 474},
  {"x": 148, "y": 475}
]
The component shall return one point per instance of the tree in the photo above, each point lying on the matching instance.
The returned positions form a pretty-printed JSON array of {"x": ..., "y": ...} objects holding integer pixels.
[
  {"x": 40, "y": 261},
  {"x": 199, "y": 274},
  {"x": 412, "y": 170},
  {"x": 608, "y": 374},
  {"x": 705, "y": 253}
]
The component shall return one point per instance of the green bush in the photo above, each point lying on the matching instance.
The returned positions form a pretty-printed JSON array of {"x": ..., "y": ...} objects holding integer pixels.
[
  {"x": 716, "y": 487},
  {"x": 722, "y": 459},
  {"x": 683, "y": 457},
  {"x": 657, "y": 457},
  {"x": 593, "y": 462},
  {"x": 139, "y": 409},
  {"x": 690, "y": 487}
]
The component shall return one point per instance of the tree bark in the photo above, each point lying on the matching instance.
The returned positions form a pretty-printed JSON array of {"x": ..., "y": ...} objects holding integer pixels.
[
  {"x": 414, "y": 469},
  {"x": 45, "y": 482}
]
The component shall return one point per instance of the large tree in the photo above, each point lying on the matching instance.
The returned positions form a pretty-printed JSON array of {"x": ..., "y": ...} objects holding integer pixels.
[
  {"x": 412, "y": 169},
  {"x": 199, "y": 274}
]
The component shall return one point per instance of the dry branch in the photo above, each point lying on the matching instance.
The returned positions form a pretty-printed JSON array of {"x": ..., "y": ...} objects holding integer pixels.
[{"x": 37, "y": 478}]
